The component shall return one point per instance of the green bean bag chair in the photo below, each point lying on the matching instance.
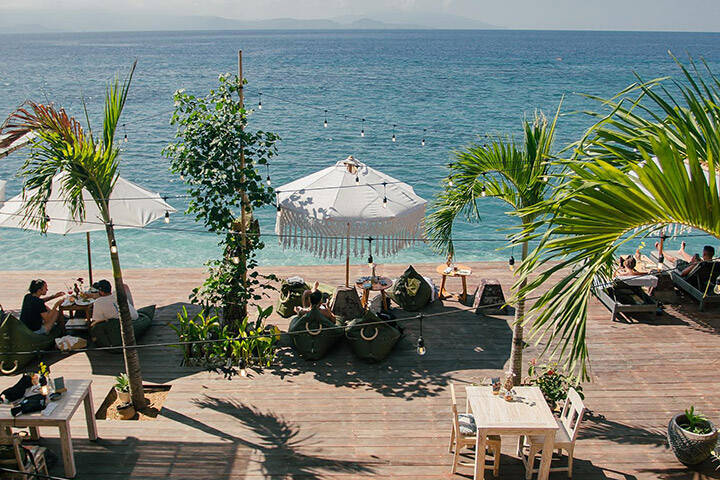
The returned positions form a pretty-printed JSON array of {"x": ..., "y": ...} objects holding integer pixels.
[
  {"x": 372, "y": 343},
  {"x": 311, "y": 334},
  {"x": 107, "y": 333},
  {"x": 411, "y": 292},
  {"x": 291, "y": 296},
  {"x": 15, "y": 336}
]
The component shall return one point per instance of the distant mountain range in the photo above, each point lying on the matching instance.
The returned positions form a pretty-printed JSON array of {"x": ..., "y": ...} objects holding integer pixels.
[{"x": 16, "y": 21}]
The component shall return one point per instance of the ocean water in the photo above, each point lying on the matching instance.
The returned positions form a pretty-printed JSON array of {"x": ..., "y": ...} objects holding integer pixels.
[{"x": 458, "y": 85}]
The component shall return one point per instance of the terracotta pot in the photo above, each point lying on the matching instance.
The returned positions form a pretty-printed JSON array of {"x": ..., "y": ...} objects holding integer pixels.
[
  {"x": 690, "y": 448},
  {"x": 126, "y": 411},
  {"x": 124, "y": 397}
]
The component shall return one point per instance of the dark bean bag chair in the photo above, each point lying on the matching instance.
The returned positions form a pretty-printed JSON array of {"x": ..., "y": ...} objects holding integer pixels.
[
  {"x": 411, "y": 292},
  {"x": 371, "y": 342},
  {"x": 291, "y": 297},
  {"x": 15, "y": 336},
  {"x": 315, "y": 334},
  {"x": 107, "y": 333}
]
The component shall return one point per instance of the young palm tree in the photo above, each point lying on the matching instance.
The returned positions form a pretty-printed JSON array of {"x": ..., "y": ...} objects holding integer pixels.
[
  {"x": 651, "y": 162},
  {"x": 515, "y": 174},
  {"x": 90, "y": 164}
]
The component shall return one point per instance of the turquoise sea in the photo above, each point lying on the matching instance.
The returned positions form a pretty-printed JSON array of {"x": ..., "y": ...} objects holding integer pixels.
[{"x": 457, "y": 85}]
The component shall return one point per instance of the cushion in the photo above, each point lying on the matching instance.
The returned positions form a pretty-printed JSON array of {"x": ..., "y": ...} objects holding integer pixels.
[
  {"x": 107, "y": 333},
  {"x": 291, "y": 296},
  {"x": 372, "y": 343},
  {"x": 466, "y": 422},
  {"x": 313, "y": 334},
  {"x": 411, "y": 292}
]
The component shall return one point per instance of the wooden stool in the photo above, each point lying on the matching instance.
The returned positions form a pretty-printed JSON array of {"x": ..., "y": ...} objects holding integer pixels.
[{"x": 490, "y": 293}]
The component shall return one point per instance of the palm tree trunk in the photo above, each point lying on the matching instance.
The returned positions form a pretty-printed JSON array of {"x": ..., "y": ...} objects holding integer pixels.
[
  {"x": 132, "y": 360},
  {"x": 517, "y": 341}
]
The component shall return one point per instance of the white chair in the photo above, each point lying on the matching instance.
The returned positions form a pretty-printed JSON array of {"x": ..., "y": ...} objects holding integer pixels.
[
  {"x": 529, "y": 447},
  {"x": 464, "y": 434}
]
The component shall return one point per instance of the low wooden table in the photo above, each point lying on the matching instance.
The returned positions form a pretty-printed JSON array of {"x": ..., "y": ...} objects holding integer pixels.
[
  {"x": 74, "y": 307},
  {"x": 376, "y": 287},
  {"x": 528, "y": 414},
  {"x": 455, "y": 273},
  {"x": 78, "y": 391}
]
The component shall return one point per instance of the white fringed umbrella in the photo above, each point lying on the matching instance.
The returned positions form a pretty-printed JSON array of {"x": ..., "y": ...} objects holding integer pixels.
[
  {"x": 131, "y": 206},
  {"x": 349, "y": 200}
]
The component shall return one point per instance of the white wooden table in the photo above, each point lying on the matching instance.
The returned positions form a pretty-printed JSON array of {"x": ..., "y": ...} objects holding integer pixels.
[
  {"x": 528, "y": 414},
  {"x": 78, "y": 391}
]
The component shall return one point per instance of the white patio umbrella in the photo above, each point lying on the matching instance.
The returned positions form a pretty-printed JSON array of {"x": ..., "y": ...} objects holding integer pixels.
[
  {"x": 131, "y": 206},
  {"x": 3, "y": 183},
  {"x": 349, "y": 200}
]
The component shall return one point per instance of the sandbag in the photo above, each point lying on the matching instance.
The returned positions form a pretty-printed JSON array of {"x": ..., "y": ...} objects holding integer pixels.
[
  {"x": 372, "y": 342},
  {"x": 291, "y": 296},
  {"x": 411, "y": 292},
  {"x": 315, "y": 335},
  {"x": 107, "y": 333},
  {"x": 15, "y": 336}
]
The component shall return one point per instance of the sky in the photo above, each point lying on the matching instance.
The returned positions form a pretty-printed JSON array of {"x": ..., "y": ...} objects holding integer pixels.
[{"x": 691, "y": 15}]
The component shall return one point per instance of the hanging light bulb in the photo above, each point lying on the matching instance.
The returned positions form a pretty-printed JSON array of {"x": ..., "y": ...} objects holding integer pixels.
[
  {"x": 423, "y": 140},
  {"x": 384, "y": 194},
  {"x": 325, "y": 122},
  {"x": 47, "y": 218},
  {"x": 370, "y": 257},
  {"x": 235, "y": 260},
  {"x": 167, "y": 216},
  {"x": 482, "y": 191},
  {"x": 421, "y": 350},
  {"x": 243, "y": 370},
  {"x": 393, "y": 137},
  {"x": 267, "y": 179},
  {"x": 450, "y": 182},
  {"x": 385, "y": 202},
  {"x": 511, "y": 263},
  {"x": 259, "y": 101},
  {"x": 124, "y": 134},
  {"x": 362, "y": 130},
  {"x": 661, "y": 261},
  {"x": 113, "y": 246},
  {"x": 357, "y": 178}
]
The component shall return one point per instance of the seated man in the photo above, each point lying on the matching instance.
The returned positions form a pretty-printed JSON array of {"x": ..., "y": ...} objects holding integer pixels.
[
  {"x": 34, "y": 313},
  {"x": 313, "y": 299},
  {"x": 685, "y": 262},
  {"x": 106, "y": 306}
]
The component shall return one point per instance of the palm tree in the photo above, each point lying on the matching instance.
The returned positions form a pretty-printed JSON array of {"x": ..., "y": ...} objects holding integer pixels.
[
  {"x": 90, "y": 164},
  {"x": 515, "y": 174},
  {"x": 649, "y": 163}
]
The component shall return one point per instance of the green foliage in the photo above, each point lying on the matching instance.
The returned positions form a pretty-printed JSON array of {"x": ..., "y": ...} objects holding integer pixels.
[
  {"x": 122, "y": 383},
  {"x": 254, "y": 345},
  {"x": 695, "y": 422},
  {"x": 553, "y": 381},
  {"x": 211, "y": 133},
  {"x": 645, "y": 165}
]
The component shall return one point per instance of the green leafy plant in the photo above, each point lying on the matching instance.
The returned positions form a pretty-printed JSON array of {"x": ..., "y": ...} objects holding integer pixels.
[
  {"x": 212, "y": 131},
  {"x": 695, "y": 422},
  {"x": 122, "y": 383},
  {"x": 552, "y": 380}
]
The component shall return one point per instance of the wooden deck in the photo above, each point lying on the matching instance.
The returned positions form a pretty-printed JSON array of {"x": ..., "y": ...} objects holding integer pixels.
[{"x": 341, "y": 418}]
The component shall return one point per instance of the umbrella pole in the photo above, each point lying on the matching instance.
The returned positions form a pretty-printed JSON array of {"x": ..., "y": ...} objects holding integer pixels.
[
  {"x": 87, "y": 240},
  {"x": 347, "y": 259}
]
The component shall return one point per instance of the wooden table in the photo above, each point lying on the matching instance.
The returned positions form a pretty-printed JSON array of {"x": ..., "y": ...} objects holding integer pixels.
[
  {"x": 74, "y": 307},
  {"x": 528, "y": 414},
  {"x": 376, "y": 287},
  {"x": 78, "y": 391},
  {"x": 454, "y": 273}
]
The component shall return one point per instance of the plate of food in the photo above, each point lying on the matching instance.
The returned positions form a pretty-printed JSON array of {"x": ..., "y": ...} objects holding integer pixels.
[{"x": 84, "y": 301}]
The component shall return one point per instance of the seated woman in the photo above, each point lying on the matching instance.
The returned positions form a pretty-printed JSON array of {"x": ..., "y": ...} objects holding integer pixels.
[
  {"x": 313, "y": 299},
  {"x": 684, "y": 262},
  {"x": 34, "y": 313},
  {"x": 627, "y": 267},
  {"x": 106, "y": 306}
]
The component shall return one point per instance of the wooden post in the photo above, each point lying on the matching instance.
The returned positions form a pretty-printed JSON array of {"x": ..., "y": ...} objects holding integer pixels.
[
  {"x": 87, "y": 239},
  {"x": 244, "y": 202},
  {"x": 347, "y": 259}
]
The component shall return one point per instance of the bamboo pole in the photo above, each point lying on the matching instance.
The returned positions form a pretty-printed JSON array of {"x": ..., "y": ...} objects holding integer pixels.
[{"x": 87, "y": 240}]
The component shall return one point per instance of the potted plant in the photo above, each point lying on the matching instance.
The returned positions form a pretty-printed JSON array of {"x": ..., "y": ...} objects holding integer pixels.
[
  {"x": 692, "y": 437},
  {"x": 43, "y": 374},
  {"x": 553, "y": 382},
  {"x": 122, "y": 388}
]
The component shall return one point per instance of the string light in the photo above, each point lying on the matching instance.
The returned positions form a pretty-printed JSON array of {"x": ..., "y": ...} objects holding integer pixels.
[
  {"x": 385, "y": 195},
  {"x": 511, "y": 263},
  {"x": 267, "y": 179},
  {"x": 661, "y": 261},
  {"x": 423, "y": 140},
  {"x": 243, "y": 369},
  {"x": 421, "y": 349},
  {"x": 167, "y": 216},
  {"x": 125, "y": 134},
  {"x": 450, "y": 182},
  {"x": 483, "y": 192},
  {"x": 357, "y": 178},
  {"x": 325, "y": 122},
  {"x": 362, "y": 130},
  {"x": 235, "y": 260},
  {"x": 259, "y": 101},
  {"x": 393, "y": 137},
  {"x": 113, "y": 246}
]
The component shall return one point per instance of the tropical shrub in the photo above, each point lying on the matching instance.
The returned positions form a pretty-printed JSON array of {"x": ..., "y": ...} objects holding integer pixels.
[{"x": 553, "y": 381}]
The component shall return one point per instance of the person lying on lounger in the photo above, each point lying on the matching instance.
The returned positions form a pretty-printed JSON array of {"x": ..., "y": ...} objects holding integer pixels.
[
  {"x": 313, "y": 299},
  {"x": 685, "y": 262},
  {"x": 627, "y": 267}
]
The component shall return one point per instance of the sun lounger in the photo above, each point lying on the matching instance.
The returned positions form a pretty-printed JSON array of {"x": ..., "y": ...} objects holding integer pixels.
[
  {"x": 623, "y": 299},
  {"x": 700, "y": 282}
]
